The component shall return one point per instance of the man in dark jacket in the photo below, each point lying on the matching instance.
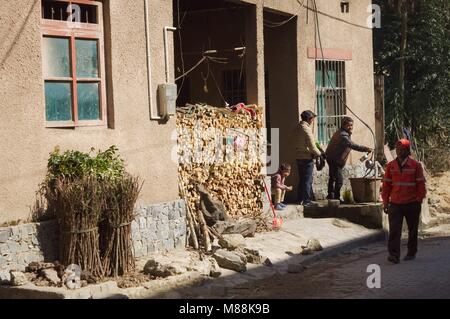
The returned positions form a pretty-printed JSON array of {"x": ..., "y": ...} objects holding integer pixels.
[{"x": 337, "y": 153}]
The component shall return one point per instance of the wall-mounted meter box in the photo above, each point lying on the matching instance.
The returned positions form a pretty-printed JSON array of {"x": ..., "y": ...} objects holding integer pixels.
[{"x": 167, "y": 96}]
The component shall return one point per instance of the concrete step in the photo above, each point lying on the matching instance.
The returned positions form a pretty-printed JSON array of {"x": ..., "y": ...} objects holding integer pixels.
[{"x": 369, "y": 215}]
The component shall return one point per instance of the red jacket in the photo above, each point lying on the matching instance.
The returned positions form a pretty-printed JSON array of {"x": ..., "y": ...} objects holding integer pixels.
[{"x": 403, "y": 184}]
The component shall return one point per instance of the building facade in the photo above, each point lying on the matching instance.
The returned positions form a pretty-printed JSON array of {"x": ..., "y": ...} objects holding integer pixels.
[{"x": 94, "y": 83}]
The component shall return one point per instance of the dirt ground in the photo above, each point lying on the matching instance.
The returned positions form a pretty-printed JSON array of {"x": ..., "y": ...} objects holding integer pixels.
[{"x": 439, "y": 193}]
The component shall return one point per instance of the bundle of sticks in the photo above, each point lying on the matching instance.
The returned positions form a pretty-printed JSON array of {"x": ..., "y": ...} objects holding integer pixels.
[
  {"x": 79, "y": 206},
  {"x": 115, "y": 235},
  {"x": 220, "y": 150}
]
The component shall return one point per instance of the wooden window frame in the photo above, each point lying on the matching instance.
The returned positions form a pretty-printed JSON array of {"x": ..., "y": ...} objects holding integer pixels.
[{"x": 90, "y": 31}]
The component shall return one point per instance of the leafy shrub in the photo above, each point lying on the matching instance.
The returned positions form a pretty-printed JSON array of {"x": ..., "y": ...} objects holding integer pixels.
[{"x": 75, "y": 164}]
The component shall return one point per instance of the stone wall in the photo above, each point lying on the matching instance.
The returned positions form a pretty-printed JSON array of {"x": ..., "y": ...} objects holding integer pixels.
[
  {"x": 320, "y": 184},
  {"x": 157, "y": 227},
  {"x": 22, "y": 244}
]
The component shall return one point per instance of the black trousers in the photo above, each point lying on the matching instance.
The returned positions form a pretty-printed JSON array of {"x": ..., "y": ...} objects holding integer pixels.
[
  {"x": 335, "y": 181},
  {"x": 305, "y": 174},
  {"x": 396, "y": 212}
]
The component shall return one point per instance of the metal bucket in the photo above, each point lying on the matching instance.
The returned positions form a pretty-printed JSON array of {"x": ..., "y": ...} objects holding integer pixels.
[{"x": 365, "y": 189}]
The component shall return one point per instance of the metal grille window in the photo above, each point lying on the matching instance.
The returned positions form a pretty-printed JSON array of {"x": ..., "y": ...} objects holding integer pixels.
[
  {"x": 330, "y": 97},
  {"x": 234, "y": 87}
]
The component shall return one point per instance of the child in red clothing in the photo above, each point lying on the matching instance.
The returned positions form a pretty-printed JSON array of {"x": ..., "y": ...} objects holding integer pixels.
[{"x": 278, "y": 187}]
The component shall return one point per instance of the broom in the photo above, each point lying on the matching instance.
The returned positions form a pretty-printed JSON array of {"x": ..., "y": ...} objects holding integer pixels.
[{"x": 277, "y": 221}]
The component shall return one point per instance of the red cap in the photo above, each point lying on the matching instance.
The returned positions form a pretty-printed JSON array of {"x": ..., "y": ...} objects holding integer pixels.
[{"x": 404, "y": 142}]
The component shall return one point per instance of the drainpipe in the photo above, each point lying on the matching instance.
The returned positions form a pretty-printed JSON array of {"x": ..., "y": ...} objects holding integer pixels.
[
  {"x": 166, "y": 50},
  {"x": 153, "y": 112}
]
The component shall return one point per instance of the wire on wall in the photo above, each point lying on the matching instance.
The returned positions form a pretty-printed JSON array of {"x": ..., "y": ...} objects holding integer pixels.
[{"x": 329, "y": 80}]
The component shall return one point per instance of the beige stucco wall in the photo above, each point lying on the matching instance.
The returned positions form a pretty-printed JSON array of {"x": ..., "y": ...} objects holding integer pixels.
[
  {"x": 334, "y": 35},
  {"x": 25, "y": 142},
  {"x": 145, "y": 144}
]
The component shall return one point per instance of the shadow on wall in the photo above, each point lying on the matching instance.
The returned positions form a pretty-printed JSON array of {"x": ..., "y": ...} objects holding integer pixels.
[
  {"x": 18, "y": 35},
  {"x": 47, "y": 236}
]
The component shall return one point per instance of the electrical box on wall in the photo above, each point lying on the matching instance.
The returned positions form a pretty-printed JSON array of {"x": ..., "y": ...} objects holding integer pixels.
[{"x": 167, "y": 96}]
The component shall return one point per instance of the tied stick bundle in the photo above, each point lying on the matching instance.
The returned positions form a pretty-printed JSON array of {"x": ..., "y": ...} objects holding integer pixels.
[
  {"x": 116, "y": 241},
  {"x": 79, "y": 208}
]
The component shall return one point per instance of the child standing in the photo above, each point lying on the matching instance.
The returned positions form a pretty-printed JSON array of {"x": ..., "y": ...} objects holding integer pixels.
[{"x": 278, "y": 187}]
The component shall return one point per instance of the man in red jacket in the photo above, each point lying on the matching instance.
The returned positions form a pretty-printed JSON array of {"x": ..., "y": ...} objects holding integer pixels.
[{"x": 403, "y": 193}]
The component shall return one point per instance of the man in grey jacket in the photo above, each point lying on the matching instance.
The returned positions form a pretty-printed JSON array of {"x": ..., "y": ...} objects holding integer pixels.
[{"x": 337, "y": 154}]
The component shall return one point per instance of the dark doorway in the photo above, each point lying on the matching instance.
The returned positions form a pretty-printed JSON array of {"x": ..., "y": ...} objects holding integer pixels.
[{"x": 280, "y": 54}]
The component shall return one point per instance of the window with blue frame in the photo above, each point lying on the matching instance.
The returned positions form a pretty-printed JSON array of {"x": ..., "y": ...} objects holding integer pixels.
[{"x": 330, "y": 97}]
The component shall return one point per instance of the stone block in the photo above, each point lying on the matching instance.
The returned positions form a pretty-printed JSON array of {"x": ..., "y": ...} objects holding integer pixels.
[
  {"x": 180, "y": 242},
  {"x": 230, "y": 260},
  {"x": 162, "y": 235},
  {"x": 32, "y": 257},
  {"x": 15, "y": 231},
  {"x": 24, "y": 247},
  {"x": 13, "y": 247},
  {"x": 134, "y": 226},
  {"x": 137, "y": 248},
  {"x": 30, "y": 229},
  {"x": 151, "y": 248},
  {"x": 232, "y": 241},
  {"x": 2, "y": 261},
  {"x": 142, "y": 223},
  {"x": 169, "y": 244},
  {"x": 174, "y": 214},
  {"x": 165, "y": 210},
  {"x": 172, "y": 224},
  {"x": 154, "y": 213},
  {"x": 5, "y": 277},
  {"x": 4, "y": 235},
  {"x": 151, "y": 227}
]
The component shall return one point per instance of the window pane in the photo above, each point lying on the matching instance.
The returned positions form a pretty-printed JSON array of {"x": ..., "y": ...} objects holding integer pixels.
[
  {"x": 56, "y": 57},
  {"x": 87, "y": 58},
  {"x": 53, "y": 10},
  {"x": 58, "y": 101},
  {"x": 88, "y": 13},
  {"x": 88, "y": 101}
]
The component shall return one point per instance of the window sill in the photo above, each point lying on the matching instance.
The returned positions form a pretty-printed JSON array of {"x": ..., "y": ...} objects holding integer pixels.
[{"x": 71, "y": 125}]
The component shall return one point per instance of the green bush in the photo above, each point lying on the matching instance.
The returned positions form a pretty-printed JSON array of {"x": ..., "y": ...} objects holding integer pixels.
[{"x": 105, "y": 165}]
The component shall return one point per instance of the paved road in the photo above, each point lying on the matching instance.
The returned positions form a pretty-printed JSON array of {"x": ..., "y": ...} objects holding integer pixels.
[{"x": 345, "y": 276}]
